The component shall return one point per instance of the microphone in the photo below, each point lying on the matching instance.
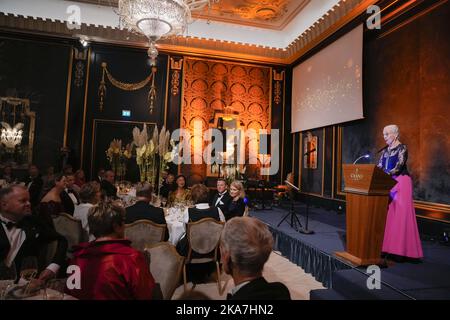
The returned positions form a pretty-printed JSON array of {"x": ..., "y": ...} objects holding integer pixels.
[
  {"x": 291, "y": 185},
  {"x": 366, "y": 156},
  {"x": 382, "y": 149}
]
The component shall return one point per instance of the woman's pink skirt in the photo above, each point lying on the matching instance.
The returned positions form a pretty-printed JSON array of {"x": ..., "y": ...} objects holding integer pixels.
[{"x": 401, "y": 236}]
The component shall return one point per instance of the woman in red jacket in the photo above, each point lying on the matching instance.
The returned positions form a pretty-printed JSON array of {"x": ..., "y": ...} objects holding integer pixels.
[{"x": 110, "y": 268}]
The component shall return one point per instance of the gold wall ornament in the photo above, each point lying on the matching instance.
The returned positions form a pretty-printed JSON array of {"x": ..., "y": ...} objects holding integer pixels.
[
  {"x": 127, "y": 86},
  {"x": 176, "y": 66},
  {"x": 278, "y": 77}
]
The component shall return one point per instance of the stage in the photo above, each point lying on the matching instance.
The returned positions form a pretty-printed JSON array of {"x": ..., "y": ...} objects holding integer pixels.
[{"x": 315, "y": 254}]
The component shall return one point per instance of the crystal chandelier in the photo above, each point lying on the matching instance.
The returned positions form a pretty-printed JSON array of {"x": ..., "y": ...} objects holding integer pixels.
[
  {"x": 11, "y": 137},
  {"x": 158, "y": 19}
]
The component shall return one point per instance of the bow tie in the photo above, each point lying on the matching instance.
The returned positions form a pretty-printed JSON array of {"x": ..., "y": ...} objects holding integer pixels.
[{"x": 9, "y": 225}]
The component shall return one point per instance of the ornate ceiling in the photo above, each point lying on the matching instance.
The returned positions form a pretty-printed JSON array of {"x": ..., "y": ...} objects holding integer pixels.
[
  {"x": 268, "y": 14},
  {"x": 268, "y": 31}
]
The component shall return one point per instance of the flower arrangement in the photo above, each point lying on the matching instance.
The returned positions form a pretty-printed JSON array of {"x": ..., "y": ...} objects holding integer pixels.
[
  {"x": 233, "y": 172},
  {"x": 118, "y": 157},
  {"x": 152, "y": 155}
]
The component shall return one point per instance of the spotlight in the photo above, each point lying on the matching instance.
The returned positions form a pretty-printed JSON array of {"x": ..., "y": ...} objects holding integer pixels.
[{"x": 84, "y": 42}]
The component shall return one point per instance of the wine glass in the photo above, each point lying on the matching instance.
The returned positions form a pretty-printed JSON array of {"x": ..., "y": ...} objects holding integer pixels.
[
  {"x": 29, "y": 268},
  {"x": 8, "y": 276},
  {"x": 54, "y": 289}
]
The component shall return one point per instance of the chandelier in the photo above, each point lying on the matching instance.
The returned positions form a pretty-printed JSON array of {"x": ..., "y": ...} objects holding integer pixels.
[
  {"x": 157, "y": 19},
  {"x": 11, "y": 136}
]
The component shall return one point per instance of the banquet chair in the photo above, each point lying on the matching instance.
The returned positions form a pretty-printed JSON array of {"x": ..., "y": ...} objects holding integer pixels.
[
  {"x": 144, "y": 233},
  {"x": 166, "y": 266},
  {"x": 70, "y": 228},
  {"x": 203, "y": 240}
]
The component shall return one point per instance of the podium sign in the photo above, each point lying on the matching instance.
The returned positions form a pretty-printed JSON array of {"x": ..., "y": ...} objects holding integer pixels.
[{"x": 367, "y": 190}]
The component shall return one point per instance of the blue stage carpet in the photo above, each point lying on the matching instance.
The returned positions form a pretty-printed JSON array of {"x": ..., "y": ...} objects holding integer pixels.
[{"x": 315, "y": 253}]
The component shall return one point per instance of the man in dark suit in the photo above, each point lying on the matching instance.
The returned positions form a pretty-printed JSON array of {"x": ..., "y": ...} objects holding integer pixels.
[
  {"x": 100, "y": 175},
  {"x": 69, "y": 197},
  {"x": 107, "y": 185},
  {"x": 34, "y": 184},
  {"x": 222, "y": 198},
  {"x": 245, "y": 246},
  {"x": 142, "y": 209},
  {"x": 168, "y": 185},
  {"x": 22, "y": 235}
]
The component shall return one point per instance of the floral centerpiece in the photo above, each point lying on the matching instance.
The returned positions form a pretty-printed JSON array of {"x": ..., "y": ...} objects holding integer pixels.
[
  {"x": 152, "y": 155},
  {"x": 118, "y": 157}
]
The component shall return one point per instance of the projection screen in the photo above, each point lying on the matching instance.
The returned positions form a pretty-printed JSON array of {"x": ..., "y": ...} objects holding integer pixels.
[{"x": 327, "y": 88}]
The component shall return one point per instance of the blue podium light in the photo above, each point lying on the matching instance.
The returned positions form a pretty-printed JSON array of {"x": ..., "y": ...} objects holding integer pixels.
[{"x": 126, "y": 113}]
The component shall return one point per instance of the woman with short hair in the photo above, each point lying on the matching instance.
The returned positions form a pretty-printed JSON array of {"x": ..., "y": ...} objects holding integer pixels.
[
  {"x": 110, "y": 268},
  {"x": 90, "y": 194},
  {"x": 401, "y": 235}
]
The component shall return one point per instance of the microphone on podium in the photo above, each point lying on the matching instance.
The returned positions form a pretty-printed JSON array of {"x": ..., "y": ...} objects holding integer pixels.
[
  {"x": 291, "y": 185},
  {"x": 382, "y": 149},
  {"x": 310, "y": 151},
  {"x": 366, "y": 156}
]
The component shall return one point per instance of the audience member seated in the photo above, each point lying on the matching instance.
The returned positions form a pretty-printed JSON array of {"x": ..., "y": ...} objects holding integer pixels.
[
  {"x": 180, "y": 194},
  {"x": 107, "y": 185},
  {"x": 48, "y": 178},
  {"x": 142, "y": 209},
  {"x": 80, "y": 180},
  {"x": 167, "y": 186},
  {"x": 202, "y": 209},
  {"x": 69, "y": 197},
  {"x": 245, "y": 246},
  {"x": 51, "y": 203},
  {"x": 100, "y": 175},
  {"x": 222, "y": 198},
  {"x": 110, "y": 268},
  {"x": 22, "y": 235},
  {"x": 200, "y": 194},
  {"x": 236, "y": 207},
  {"x": 68, "y": 169},
  {"x": 34, "y": 185},
  {"x": 7, "y": 175},
  {"x": 90, "y": 195}
]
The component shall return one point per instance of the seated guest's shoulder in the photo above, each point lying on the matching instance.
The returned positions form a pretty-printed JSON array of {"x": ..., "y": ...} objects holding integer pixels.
[{"x": 260, "y": 289}]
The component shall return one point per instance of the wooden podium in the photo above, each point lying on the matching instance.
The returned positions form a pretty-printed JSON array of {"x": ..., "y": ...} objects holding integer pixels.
[{"x": 367, "y": 188}]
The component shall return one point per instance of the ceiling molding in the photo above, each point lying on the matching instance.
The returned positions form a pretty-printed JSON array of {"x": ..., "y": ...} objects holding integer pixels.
[{"x": 344, "y": 12}]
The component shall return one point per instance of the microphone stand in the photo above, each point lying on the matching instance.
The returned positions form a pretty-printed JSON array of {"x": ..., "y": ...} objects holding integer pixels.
[{"x": 306, "y": 230}]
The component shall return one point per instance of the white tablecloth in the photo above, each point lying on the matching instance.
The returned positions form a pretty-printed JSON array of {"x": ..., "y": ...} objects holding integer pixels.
[{"x": 175, "y": 225}]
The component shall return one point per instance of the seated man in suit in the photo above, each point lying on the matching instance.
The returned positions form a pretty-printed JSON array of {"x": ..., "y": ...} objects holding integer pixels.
[
  {"x": 245, "y": 246},
  {"x": 22, "y": 235},
  {"x": 69, "y": 197},
  {"x": 107, "y": 185},
  {"x": 222, "y": 198},
  {"x": 168, "y": 185},
  {"x": 142, "y": 209}
]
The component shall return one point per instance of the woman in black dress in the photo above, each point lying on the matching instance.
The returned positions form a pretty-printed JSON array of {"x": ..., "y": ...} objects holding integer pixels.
[{"x": 237, "y": 205}]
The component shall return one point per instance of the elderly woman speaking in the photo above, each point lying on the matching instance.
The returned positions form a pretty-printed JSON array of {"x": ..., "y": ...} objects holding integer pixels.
[{"x": 401, "y": 236}]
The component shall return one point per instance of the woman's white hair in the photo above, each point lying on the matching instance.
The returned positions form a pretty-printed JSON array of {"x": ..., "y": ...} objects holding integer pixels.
[{"x": 392, "y": 128}]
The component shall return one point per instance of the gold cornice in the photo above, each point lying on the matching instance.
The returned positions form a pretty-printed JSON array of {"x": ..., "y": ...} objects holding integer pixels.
[
  {"x": 337, "y": 17},
  {"x": 342, "y": 14}
]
